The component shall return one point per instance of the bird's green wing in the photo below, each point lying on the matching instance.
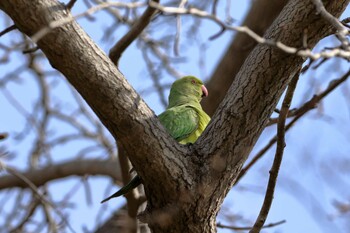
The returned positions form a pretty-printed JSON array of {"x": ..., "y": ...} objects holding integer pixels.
[{"x": 180, "y": 121}]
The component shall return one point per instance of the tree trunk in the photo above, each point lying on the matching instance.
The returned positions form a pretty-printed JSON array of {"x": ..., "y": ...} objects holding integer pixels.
[{"x": 193, "y": 179}]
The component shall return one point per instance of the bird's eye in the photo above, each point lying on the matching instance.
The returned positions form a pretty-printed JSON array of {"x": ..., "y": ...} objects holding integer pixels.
[{"x": 193, "y": 81}]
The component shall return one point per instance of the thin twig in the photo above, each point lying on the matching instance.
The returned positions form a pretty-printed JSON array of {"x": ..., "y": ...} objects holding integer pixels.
[
  {"x": 259, "y": 223},
  {"x": 70, "y": 4},
  {"x": 11, "y": 28},
  {"x": 306, "y": 53},
  {"x": 229, "y": 19},
  {"x": 32, "y": 206},
  {"x": 219, "y": 33},
  {"x": 311, "y": 104},
  {"x": 136, "y": 29},
  {"x": 36, "y": 192},
  {"x": 342, "y": 31},
  {"x": 248, "y": 228},
  {"x": 30, "y": 50},
  {"x": 214, "y": 8},
  {"x": 59, "y": 23},
  {"x": 155, "y": 76},
  {"x": 345, "y": 22},
  {"x": 178, "y": 29}
]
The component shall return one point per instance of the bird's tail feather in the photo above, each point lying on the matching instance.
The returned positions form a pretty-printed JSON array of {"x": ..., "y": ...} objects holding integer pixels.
[{"x": 136, "y": 181}]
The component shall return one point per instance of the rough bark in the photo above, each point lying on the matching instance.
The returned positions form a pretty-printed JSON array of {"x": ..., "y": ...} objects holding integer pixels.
[{"x": 185, "y": 185}]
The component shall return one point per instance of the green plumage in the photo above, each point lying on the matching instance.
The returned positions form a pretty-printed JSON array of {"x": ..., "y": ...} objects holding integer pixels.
[{"x": 184, "y": 118}]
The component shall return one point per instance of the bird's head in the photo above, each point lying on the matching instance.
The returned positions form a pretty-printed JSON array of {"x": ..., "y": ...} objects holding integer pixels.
[{"x": 188, "y": 87}]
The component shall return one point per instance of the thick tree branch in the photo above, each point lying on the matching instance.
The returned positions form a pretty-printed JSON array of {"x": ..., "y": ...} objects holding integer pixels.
[
  {"x": 41, "y": 176},
  {"x": 63, "y": 21}
]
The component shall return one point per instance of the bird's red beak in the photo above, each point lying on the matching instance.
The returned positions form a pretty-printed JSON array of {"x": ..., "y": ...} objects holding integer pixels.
[{"x": 204, "y": 91}]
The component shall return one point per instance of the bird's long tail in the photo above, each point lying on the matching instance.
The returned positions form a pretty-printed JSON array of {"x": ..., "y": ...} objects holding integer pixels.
[{"x": 136, "y": 181}]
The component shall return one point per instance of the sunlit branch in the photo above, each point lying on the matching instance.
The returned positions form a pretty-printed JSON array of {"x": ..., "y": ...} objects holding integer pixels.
[
  {"x": 306, "y": 53},
  {"x": 59, "y": 23}
]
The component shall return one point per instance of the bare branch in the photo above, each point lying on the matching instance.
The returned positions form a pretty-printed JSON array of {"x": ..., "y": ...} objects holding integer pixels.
[
  {"x": 306, "y": 53},
  {"x": 33, "y": 204},
  {"x": 11, "y": 28},
  {"x": 70, "y": 4},
  {"x": 248, "y": 228},
  {"x": 72, "y": 168},
  {"x": 342, "y": 31},
  {"x": 178, "y": 29},
  {"x": 259, "y": 223},
  {"x": 345, "y": 21},
  {"x": 45, "y": 203},
  {"x": 136, "y": 29},
  {"x": 309, "y": 105},
  {"x": 58, "y": 23}
]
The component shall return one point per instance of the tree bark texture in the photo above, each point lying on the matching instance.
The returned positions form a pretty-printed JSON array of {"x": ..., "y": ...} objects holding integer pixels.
[{"x": 185, "y": 185}]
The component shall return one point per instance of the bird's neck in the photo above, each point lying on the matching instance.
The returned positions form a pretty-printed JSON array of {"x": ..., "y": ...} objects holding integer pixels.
[{"x": 183, "y": 100}]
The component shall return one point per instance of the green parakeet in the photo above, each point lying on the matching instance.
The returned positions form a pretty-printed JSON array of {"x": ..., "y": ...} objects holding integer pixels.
[{"x": 184, "y": 118}]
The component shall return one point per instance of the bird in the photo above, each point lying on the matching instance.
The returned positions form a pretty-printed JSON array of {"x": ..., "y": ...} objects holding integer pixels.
[{"x": 184, "y": 119}]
